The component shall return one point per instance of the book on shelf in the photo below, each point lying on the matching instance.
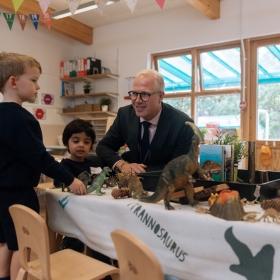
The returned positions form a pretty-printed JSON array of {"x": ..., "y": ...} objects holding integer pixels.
[
  {"x": 212, "y": 159},
  {"x": 79, "y": 67},
  {"x": 228, "y": 162},
  {"x": 68, "y": 88}
]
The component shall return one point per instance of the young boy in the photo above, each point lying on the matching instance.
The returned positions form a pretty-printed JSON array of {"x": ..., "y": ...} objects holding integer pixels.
[
  {"x": 23, "y": 156},
  {"x": 78, "y": 137}
]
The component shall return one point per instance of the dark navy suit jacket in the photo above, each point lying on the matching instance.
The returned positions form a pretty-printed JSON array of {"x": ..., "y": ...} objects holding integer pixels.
[{"x": 173, "y": 138}]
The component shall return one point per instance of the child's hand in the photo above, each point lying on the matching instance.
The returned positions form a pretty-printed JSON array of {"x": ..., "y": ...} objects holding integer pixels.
[{"x": 77, "y": 187}]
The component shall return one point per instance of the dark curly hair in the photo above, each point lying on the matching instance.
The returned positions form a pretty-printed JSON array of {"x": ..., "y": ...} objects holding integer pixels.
[{"x": 77, "y": 126}]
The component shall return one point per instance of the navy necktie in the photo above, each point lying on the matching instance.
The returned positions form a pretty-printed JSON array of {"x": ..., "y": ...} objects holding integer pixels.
[{"x": 145, "y": 143}]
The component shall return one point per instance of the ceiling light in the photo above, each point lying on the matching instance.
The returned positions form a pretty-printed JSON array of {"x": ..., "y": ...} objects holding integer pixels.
[{"x": 82, "y": 8}]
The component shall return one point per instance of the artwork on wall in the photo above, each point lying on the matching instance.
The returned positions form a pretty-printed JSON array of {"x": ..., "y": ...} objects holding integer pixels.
[
  {"x": 39, "y": 113},
  {"x": 47, "y": 99}
]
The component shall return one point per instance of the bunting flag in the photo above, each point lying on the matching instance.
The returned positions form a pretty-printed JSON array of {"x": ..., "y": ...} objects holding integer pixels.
[
  {"x": 17, "y": 4},
  {"x": 9, "y": 19},
  {"x": 44, "y": 4},
  {"x": 47, "y": 19},
  {"x": 73, "y": 5},
  {"x": 160, "y": 3},
  {"x": 22, "y": 20},
  {"x": 131, "y": 4},
  {"x": 101, "y": 4},
  {"x": 35, "y": 19}
]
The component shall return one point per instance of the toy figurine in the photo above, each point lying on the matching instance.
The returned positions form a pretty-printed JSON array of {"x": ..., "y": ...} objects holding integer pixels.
[
  {"x": 178, "y": 174},
  {"x": 98, "y": 181}
]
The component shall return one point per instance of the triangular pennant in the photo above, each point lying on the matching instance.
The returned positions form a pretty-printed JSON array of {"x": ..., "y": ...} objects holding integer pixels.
[
  {"x": 22, "y": 20},
  {"x": 131, "y": 4},
  {"x": 73, "y": 5},
  {"x": 47, "y": 19},
  {"x": 9, "y": 19},
  {"x": 44, "y": 4},
  {"x": 35, "y": 19},
  {"x": 101, "y": 4},
  {"x": 17, "y": 4},
  {"x": 160, "y": 3}
]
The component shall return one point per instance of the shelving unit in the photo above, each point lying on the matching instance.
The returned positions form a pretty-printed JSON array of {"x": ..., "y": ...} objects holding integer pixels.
[
  {"x": 100, "y": 120},
  {"x": 96, "y": 94},
  {"x": 90, "y": 77},
  {"x": 91, "y": 113}
]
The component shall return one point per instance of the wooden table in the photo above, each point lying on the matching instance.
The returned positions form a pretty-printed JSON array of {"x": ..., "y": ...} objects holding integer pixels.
[{"x": 188, "y": 245}]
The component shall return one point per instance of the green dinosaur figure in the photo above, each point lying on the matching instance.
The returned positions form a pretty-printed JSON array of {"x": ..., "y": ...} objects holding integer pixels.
[
  {"x": 178, "y": 173},
  {"x": 98, "y": 181}
]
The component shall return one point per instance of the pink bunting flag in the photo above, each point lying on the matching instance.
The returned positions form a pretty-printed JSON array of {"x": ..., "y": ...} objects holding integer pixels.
[
  {"x": 101, "y": 4},
  {"x": 131, "y": 4},
  {"x": 160, "y": 3},
  {"x": 17, "y": 4},
  {"x": 73, "y": 5},
  {"x": 22, "y": 20},
  {"x": 44, "y": 4},
  {"x": 47, "y": 19}
]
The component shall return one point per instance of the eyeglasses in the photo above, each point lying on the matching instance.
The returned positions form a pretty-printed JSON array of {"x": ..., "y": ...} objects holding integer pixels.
[{"x": 143, "y": 95}]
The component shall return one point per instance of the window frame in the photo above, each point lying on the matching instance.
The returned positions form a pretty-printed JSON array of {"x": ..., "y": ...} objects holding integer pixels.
[{"x": 196, "y": 86}]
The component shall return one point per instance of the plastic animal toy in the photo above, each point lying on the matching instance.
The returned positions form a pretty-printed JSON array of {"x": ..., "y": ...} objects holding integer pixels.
[
  {"x": 85, "y": 177},
  {"x": 98, "y": 181},
  {"x": 134, "y": 184},
  {"x": 178, "y": 174},
  {"x": 121, "y": 192},
  {"x": 272, "y": 213}
]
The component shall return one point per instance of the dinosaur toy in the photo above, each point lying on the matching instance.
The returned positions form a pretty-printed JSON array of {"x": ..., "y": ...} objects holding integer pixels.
[
  {"x": 134, "y": 184},
  {"x": 178, "y": 174},
  {"x": 98, "y": 181},
  {"x": 85, "y": 177}
]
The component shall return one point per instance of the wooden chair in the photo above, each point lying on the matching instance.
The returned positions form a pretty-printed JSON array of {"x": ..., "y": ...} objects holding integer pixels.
[
  {"x": 136, "y": 260},
  {"x": 67, "y": 264}
]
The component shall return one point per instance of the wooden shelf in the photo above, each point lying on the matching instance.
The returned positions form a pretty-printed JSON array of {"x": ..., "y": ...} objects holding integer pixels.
[
  {"x": 95, "y": 94},
  {"x": 90, "y": 113},
  {"x": 91, "y": 77}
]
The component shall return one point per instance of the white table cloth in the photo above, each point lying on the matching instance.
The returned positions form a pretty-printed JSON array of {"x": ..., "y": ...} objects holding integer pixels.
[{"x": 188, "y": 245}]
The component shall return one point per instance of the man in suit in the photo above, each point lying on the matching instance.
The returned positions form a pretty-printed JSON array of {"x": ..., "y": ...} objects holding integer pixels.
[{"x": 168, "y": 135}]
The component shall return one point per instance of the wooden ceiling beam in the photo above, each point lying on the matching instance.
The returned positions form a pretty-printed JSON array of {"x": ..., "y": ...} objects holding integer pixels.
[
  {"x": 210, "y": 8},
  {"x": 66, "y": 26}
]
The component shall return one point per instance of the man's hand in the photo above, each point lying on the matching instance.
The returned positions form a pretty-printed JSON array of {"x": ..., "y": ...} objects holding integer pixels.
[
  {"x": 133, "y": 167},
  {"x": 77, "y": 187}
]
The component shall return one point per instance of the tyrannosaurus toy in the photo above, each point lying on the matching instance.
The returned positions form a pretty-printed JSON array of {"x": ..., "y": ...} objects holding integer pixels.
[{"x": 178, "y": 173}]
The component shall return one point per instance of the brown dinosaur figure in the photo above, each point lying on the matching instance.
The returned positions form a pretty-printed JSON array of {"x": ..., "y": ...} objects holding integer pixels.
[
  {"x": 134, "y": 184},
  {"x": 178, "y": 174}
]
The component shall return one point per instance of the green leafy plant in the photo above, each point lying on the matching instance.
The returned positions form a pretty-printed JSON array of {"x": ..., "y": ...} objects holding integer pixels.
[
  {"x": 240, "y": 150},
  {"x": 105, "y": 101},
  {"x": 87, "y": 85}
]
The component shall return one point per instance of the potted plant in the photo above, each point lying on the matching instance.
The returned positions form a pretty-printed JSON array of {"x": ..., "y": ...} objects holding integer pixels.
[
  {"x": 105, "y": 102},
  {"x": 240, "y": 149},
  {"x": 87, "y": 87}
]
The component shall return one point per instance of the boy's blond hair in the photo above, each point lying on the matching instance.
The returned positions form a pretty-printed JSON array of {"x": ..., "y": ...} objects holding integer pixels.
[{"x": 14, "y": 64}]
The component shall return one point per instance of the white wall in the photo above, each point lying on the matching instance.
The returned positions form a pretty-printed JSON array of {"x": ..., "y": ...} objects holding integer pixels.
[
  {"x": 133, "y": 40},
  {"x": 49, "y": 48},
  {"x": 125, "y": 47}
]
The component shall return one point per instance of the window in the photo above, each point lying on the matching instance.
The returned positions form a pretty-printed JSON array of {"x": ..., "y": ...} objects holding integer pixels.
[
  {"x": 268, "y": 92},
  {"x": 212, "y": 100}
]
